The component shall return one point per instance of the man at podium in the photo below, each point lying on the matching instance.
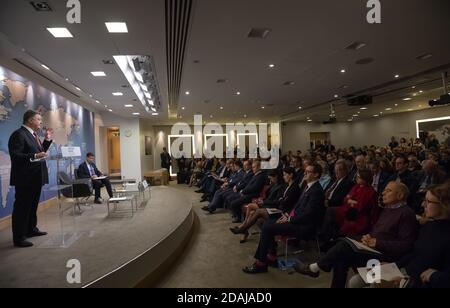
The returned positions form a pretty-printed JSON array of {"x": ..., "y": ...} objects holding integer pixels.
[
  {"x": 28, "y": 174},
  {"x": 88, "y": 170}
]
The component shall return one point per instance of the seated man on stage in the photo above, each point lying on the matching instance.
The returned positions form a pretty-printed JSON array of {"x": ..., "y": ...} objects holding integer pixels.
[{"x": 88, "y": 170}]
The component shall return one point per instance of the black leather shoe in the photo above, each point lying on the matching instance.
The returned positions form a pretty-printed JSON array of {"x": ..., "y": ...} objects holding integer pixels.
[
  {"x": 97, "y": 201},
  {"x": 304, "y": 269},
  {"x": 211, "y": 211},
  {"x": 23, "y": 244},
  {"x": 254, "y": 269},
  {"x": 205, "y": 208},
  {"x": 238, "y": 230},
  {"x": 199, "y": 191},
  {"x": 36, "y": 233}
]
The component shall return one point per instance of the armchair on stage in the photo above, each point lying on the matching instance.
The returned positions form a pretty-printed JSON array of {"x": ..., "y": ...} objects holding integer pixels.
[{"x": 81, "y": 188}]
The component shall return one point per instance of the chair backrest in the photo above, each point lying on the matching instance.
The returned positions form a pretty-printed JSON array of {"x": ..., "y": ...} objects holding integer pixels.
[
  {"x": 145, "y": 184},
  {"x": 64, "y": 178}
]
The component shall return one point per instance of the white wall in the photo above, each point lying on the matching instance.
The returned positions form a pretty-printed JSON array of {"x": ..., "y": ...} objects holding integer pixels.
[
  {"x": 376, "y": 131},
  {"x": 130, "y": 147}
]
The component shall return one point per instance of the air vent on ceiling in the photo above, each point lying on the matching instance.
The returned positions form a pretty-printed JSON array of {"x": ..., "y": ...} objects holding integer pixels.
[
  {"x": 207, "y": 101},
  {"x": 223, "y": 80},
  {"x": 178, "y": 17},
  {"x": 260, "y": 33},
  {"x": 109, "y": 62},
  {"x": 356, "y": 46},
  {"x": 288, "y": 83},
  {"x": 364, "y": 61},
  {"x": 125, "y": 86},
  {"x": 41, "y": 6},
  {"x": 425, "y": 56}
]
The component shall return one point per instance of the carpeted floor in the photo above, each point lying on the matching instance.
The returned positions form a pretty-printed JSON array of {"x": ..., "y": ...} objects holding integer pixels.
[{"x": 214, "y": 257}]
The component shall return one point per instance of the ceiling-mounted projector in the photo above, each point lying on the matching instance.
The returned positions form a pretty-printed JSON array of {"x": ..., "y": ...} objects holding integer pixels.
[{"x": 445, "y": 98}]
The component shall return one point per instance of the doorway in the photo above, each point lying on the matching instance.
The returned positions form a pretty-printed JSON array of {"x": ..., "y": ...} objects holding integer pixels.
[
  {"x": 318, "y": 138},
  {"x": 113, "y": 138}
]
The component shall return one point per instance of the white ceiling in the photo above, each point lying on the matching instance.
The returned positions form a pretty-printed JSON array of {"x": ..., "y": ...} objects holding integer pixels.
[{"x": 306, "y": 43}]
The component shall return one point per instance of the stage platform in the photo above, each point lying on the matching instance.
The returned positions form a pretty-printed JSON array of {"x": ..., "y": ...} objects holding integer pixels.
[{"x": 117, "y": 251}]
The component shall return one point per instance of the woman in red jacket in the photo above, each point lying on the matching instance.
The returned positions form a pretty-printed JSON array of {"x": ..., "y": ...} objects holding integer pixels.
[{"x": 358, "y": 211}]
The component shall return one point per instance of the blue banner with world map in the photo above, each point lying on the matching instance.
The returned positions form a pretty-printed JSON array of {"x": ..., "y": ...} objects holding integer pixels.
[{"x": 73, "y": 125}]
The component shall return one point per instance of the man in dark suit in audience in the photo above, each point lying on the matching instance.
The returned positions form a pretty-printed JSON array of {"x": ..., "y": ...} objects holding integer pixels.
[
  {"x": 406, "y": 177},
  {"x": 221, "y": 196},
  {"x": 301, "y": 223},
  {"x": 380, "y": 177},
  {"x": 340, "y": 187},
  {"x": 28, "y": 174},
  {"x": 252, "y": 190},
  {"x": 88, "y": 170}
]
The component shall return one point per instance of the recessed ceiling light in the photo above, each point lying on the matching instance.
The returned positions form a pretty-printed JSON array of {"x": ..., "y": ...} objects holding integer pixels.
[
  {"x": 300, "y": 107},
  {"x": 98, "y": 102},
  {"x": 211, "y": 116},
  {"x": 363, "y": 108},
  {"x": 414, "y": 94},
  {"x": 117, "y": 93},
  {"x": 90, "y": 95},
  {"x": 309, "y": 120},
  {"x": 109, "y": 110},
  {"x": 413, "y": 87},
  {"x": 245, "y": 115},
  {"x": 420, "y": 91},
  {"x": 187, "y": 92},
  {"x": 182, "y": 108},
  {"x": 60, "y": 32},
  {"x": 271, "y": 65},
  {"x": 355, "y": 115},
  {"x": 45, "y": 66},
  {"x": 359, "y": 112},
  {"x": 221, "y": 108},
  {"x": 336, "y": 96},
  {"x": 407, "y": 99},
  {"x": 397, "y": 76},
  {"x": 238, "y": 93},
  {"x": 98, "y": 74},
  {"x": 262, "y": 107},
  {"x": 67, "y": 79},
  {"x": 376, "y": 115},
  {"x": 116, "y": 27},
  {"x": 155, "y": 114},
  {"x": 343, "y": 71},
  {"x": 350, "y": 120},
  {"x": 136, "y": 113},
  {"x": 388, "y": 109},
  {"x": 396, "y": 105},
  {"x": 129, "y": 106},
  {"x": 78, "y": 88}
]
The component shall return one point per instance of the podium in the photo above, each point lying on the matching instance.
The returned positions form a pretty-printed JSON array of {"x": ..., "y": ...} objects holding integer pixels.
[{"x": 63, "y": 239}]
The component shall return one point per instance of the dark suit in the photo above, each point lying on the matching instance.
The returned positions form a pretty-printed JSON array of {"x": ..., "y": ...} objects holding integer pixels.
[
  {"x": 166, "y": 161},
  {"x": 340, "y": 191},
  {"x": 28, "y": 178},
  {"x": 83, "y": 173},
  {"x": 252, "y": 190},
  {"x": 383, "y": 180},
  {"x": 307, "y": 217}
]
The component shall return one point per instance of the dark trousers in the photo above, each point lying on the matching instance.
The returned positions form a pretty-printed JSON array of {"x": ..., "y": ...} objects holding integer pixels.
[
  {"x": 267, "y": 239},
  {"x": 24, "y": 217},
  {"x": 97, "y": 185},
  {"x": 236, "y": 205},
  {"x": 340, "y": 258},
  {"x": 219, "y": 198}
]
